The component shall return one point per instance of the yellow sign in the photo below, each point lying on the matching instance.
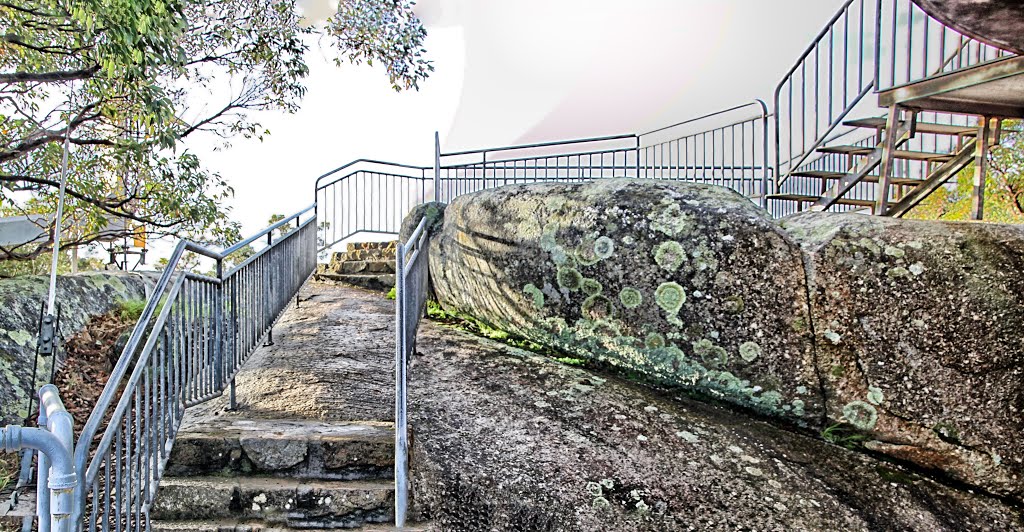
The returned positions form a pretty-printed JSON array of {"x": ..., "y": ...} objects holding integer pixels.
[{"x": 139, "y": 236}]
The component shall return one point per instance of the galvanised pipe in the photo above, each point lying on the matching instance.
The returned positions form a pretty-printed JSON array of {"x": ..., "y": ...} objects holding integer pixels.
[{"x": 61, "y": 479}]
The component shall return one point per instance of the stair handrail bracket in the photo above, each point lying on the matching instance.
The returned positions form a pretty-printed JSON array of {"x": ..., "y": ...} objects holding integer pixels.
[
  {"x": 411, "y": 282},
  {"x": 194, "y": 333}
]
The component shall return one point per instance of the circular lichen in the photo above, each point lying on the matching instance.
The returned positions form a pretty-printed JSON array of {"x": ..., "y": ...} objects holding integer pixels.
[
  {"x": 875, "y": 395},
  {"x": 669, "y": 255},
  {"x": 535, "y": 294},
  {"x": 733, "y": 304},
  {"x": 603, "y": 247},
  {"x": 630, "y": 297},
  {"x": 711, "y": 354},
  {"x": 860, "y": 415},
  {"x": 569, "y": 279},
  {"x": 670, "y": 297},
  {"x": 591, "y": 287},
  {"x": 749, "y": 351},
  {"x": 597, "y": 307},
  {"x": 654, "y": 341}
]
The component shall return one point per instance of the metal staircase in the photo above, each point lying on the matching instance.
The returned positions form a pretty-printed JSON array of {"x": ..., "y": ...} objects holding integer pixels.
[{"x": 944, "y": 96}]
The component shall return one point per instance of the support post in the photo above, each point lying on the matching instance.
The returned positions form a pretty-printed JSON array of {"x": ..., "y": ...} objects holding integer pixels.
[
  {"x": 270, "y": 294},
  {"x": 888, "y": 151},
  {"x": 981, "y": 170},
  {"x": 218, "y": 331},
  {"x": 437, "y": 166}
]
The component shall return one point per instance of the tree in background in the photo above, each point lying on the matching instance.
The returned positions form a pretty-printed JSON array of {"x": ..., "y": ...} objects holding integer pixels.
[
  {"x": 1004, "y": 185},
  {"x": 124, "y": 81}
]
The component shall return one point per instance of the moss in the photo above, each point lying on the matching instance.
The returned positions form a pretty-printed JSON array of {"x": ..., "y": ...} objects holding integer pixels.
[
  {"x": 897, "y": 477},
  {"x": 591, "y": 287},
  {"x": 631, "y": 297},
  {"x": 670, "y": 297},
  {"x": 569, "y": 279},
  {"x": 861, "y": 415},
  {"x": 535, "y": 294},
  {"x": 947, "y": 432},
  {"x": 837, "y": 371},
  {"x": 749, "y": 351},
  {"x": 669, "y": 255}
]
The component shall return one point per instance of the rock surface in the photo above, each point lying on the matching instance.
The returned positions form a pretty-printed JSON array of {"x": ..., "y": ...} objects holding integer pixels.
[
  {"x": 918, "y": 333},
  {"x": 433, "y": 211},
  {"x": 80, "y": 297},
  {"x": 689, "y": 284},
  {"x": 508, "y": 440}
]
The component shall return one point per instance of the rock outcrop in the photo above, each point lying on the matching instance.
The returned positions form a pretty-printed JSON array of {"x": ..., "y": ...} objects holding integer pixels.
[
  {"x": 690, "y": 285},
  {"x": 903, "y": 335},
  {"x": 80, "y": 297},
  {"x": 918, "y": 332}
]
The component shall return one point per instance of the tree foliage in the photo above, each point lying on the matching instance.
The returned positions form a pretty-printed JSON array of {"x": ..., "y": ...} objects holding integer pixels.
[
  {"x": 125, "y": 81},
  {"x": 1004, "y": 185}
]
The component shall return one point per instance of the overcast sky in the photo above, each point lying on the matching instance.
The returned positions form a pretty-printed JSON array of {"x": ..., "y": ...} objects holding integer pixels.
[{"x": 517, "y": 71}]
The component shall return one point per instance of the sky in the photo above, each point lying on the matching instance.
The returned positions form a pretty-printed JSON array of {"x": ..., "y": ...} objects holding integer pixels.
[{"x": 513, "y": 72}]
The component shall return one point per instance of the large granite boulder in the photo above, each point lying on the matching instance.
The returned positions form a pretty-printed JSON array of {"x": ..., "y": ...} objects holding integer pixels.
[
  {"x": 918, "y": 333},
  {"x": 686, "y": 284},
  {"x": 80, "y": 297},
  {"x": 433, "y": 211}
]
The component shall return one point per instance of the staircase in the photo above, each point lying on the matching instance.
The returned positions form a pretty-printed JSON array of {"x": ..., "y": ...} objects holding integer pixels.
[
  {"x": 269, "y": 475},
  {"x": 369, "y": 265},
  {"x": 910, "y": 174}
]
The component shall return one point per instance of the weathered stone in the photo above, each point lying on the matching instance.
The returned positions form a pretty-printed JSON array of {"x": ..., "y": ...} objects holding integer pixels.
[
  {"x": 80, "y": 298},
  {"x": 269, "y": 453},
  {"x": 689, "y": 284},
  {"x": 918, "y": 333},
  {"x": 434, "y": 213}
]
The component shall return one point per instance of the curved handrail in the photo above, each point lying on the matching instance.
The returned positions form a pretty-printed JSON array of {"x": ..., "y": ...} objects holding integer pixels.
[{"x": 369, "y": 161}]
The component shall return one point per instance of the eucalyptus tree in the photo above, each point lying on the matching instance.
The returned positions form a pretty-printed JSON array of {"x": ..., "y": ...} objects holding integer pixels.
[{"x": 123, "y": 82}]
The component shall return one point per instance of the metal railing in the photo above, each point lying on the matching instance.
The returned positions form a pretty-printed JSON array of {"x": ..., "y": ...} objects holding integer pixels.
[
  {"x": 727, "y": 148},
  {"x": 867, "y": 46},
  {"x": 411, "y": 280},
  {"x": 193, "y": 336}
]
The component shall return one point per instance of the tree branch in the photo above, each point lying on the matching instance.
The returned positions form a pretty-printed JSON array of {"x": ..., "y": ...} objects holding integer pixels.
[{"x": 48, "y": 77}]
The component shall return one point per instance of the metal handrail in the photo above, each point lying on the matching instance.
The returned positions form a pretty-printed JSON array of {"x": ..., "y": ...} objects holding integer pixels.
[
  {"x": 411, "y": 281},
  {"x": 204, "y": 329}
]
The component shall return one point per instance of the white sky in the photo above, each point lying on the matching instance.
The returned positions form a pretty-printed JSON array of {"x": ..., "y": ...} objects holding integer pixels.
[{"x": 518, "y": 71}]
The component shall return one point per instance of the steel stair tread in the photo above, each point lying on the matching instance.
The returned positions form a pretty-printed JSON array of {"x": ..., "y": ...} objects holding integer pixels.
[
  {"x": 829, "y": 175},
  {"x": 812, "y": 199},
  {"x": 898, "y": 154},
  {"x": 227, "y": 525},
  {"x": 921, "y": 127}
]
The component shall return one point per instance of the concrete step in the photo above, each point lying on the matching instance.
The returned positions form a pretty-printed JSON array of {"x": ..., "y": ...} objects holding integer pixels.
[
  {"x": 291, "y": 503},
  {"x": 299, "y": 449},
  {"x": 380, "y": 282},
  {"x": 222, "y": 525}
]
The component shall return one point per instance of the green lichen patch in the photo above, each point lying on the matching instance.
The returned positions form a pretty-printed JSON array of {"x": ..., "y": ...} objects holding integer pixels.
[
  {"x": 603, "y": 247},
  {"x": 711, "y": 354},
  {"x": 669, "y": 255},
  {"x": 597, "y": 307},
  {"x": 535, "y": 294},
  {"x": 861, "y": 415},
  {"x": 733, "y": 304},
  {"x": 654, "y": 341},
  {"x": 591, "y": 287},
  {"x": 875, "y": 395},
  {"x": 569, "y": 279},
  {"x": 670, "y": 297},
  {"x": 631, "y": 297},
  {"x": 672, "y": 221},
  {"x": 749, "y": 351}
]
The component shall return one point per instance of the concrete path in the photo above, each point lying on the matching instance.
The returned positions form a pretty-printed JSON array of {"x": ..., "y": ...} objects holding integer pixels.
[{"x": 332, "y": 360}]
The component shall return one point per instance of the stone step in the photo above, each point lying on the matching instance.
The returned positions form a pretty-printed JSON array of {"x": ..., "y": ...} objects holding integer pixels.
[
  {"x": 300, "y": 449},
  {"x": 389, "y": 245},
  {"x": 292, "y": 503},
  {"x": 380, "y": 282},
  {"x": 222, "y": 525},
  {"x": 362, "y": 266}
]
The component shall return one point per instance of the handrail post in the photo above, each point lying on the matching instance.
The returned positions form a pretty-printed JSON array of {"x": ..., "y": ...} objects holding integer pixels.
[
  {"x": 269, "y": 294},
  {"x": 401, "y": 456},
  {"x": 437, "y": 166},
  {"x": 218, "y": 331}
]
